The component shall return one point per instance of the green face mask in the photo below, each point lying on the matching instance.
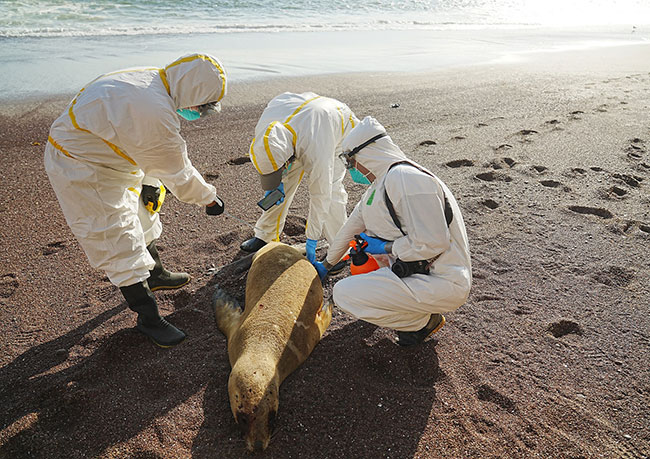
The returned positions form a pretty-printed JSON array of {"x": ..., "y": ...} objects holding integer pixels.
[
  {"x": 189, "y": 115},
  {"x": 358, "y": 177}
]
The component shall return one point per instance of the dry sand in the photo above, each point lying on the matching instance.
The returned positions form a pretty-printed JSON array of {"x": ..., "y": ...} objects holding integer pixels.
[{"x": 549, "y": 357}]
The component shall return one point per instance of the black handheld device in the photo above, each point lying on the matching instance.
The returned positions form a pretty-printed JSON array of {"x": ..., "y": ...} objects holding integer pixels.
[{"x": 269, "y": 200}]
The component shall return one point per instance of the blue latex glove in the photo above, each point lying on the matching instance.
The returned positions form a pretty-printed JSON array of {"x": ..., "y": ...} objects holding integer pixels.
[
  {"x": 320, "y": 268},
  {"x": 375, "y": 245},
  {"x": 310, "y": 248},
  {"x": 281, "y": 188}
]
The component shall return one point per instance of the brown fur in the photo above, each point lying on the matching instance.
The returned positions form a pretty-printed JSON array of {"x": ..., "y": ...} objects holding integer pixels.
[{"x": 282, "y": 322}]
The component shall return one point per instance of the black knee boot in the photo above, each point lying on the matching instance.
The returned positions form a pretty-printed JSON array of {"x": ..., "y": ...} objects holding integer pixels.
[
  {"x": 142, "y": 301},
  {"x": 159, "y": 277}
]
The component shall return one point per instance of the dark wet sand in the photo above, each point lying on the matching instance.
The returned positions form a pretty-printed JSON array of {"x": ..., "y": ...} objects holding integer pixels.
[{"x": 549, "y": 357}]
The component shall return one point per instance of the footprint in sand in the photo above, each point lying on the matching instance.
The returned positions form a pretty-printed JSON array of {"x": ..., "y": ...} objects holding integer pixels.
[
  {"x": 487, "y": 394},
  {"x": 576, "y": 115},
  {"x": 615, "y": 276},
  {"x": 213, "y": 176},
  {"x": 426, "y": 143},
  {"x": 493, "y": 176},
  {"x": 53, "y": 247},
  {"x": 616, "y": 192},
  {"x": 501, "y": 163},
  {"x": 503, "y": 146},
  {"x": 636, "y": 149},
  {"x": 238, "y": 161},
  {"x": 564, "y": 327},
  {"x": 555, "y": 184},
  {"x": 458, "y": 137},
  {"x": 28, "y": 336},
  {"x": 555, "y": 124},
  {"x": 540, "y": 169},
  {"x": 490, "y": 204},
  {"x": 633, "y": 181},
  {"x": 526, "y": 134},
  {"x": 601, "y": 108},
  {"x": 460, "y": 163},
  {"x": 597, "y": 211},
  {"x": 8, "y": 285},
  {"x": 479, "y": 125}
]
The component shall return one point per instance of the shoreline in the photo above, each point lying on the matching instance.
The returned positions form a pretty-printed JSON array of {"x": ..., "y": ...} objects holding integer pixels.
[{"x": 40, "y": 67}]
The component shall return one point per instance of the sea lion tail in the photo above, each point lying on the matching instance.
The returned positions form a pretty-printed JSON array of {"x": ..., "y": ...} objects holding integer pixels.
[{"x": 227, "y": 311}]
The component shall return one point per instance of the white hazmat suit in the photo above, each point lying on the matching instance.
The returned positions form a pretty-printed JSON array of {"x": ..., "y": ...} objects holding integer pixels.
[
  {"x": 381, "y": 297},
  {"x": 309, "y": 128},
  {"x": 117, "y": 133}
]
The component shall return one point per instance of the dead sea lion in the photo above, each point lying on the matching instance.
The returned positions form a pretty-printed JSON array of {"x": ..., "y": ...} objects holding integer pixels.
[{"x": 281, "y": 323}]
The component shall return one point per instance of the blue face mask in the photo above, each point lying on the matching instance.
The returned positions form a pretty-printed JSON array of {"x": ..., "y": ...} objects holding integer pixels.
[
  {"x": 189, "y": 115},
  {"x": 358, "y": 177}
]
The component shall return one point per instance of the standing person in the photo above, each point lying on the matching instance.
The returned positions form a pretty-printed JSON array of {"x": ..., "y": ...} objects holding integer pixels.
[
  {"x": 106, "y": 157},
  {"x": 300, "y": 134},
  {"x": 413, "y": 224}
]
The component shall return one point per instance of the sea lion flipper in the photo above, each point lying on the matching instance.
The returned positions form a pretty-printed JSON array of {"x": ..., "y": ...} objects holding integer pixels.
[
  {"x": 227, "y": 312},
  {"x": 324, "y": 315}
]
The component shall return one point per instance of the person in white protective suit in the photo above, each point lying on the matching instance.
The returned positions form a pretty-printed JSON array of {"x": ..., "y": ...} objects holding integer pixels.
[
  {"x": 298, "y": 135},
  {"x": 106, "y": 157},
  {"x": 413, "y": 225}
]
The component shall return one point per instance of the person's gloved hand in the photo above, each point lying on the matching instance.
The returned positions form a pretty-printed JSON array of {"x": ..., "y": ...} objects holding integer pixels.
[
  {"x": 310, "y": 249},
  {"x": 150, "y": 194},
  {"x": 321, "y": 270},
  {"x": 281, "y": 188},
  {"x": 375, "y": 245},
  {"x": 216, "y": 207}
]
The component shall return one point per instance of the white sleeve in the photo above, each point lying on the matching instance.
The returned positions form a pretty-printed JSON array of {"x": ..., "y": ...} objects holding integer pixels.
[
  {"x": 354, "y": 225},
  {"x": 418, "y": 200}
]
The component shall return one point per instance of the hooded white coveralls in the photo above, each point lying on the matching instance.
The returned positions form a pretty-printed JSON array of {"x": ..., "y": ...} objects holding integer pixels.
[
  {"x": 119, "y": 128},
  {"x": 380, "y": 297},
  {"x": 311, "y": 127}
]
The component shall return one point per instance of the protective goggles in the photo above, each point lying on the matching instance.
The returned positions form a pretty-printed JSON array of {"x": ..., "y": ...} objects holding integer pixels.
[
  {"x": 346, "y": 156},
  {"x": 209, "y": 108}
]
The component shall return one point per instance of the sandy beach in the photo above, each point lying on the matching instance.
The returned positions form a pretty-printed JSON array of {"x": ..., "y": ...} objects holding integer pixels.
[{"x": 548, "y": 158}]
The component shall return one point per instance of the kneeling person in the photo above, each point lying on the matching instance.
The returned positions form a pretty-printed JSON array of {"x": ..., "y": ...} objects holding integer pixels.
[{"x": 412, "y": 222}]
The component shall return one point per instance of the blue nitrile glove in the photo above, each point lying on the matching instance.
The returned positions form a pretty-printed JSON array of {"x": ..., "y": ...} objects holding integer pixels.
[
  {"x": 375, "y": 245},
  {"x": 320, "y": 268},
  {"x": 281, "y": 188},
  {"x": 310, "y": 248}
]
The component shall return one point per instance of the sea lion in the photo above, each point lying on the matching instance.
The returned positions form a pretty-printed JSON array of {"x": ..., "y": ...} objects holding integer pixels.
[{"x": 281, "y": 323}]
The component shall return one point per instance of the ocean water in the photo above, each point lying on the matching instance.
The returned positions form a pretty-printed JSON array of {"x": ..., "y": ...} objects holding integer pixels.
[{"x": 56, "y": 46}]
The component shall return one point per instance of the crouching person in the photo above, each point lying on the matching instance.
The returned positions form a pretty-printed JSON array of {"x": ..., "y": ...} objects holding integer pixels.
[{"x": 413, "y": 225}]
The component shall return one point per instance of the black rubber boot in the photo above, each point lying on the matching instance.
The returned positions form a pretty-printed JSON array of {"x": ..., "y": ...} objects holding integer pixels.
[
  {"x": 159, "y": 277},
  {"x": 337, "y": 268},
  {"x": 252, "y": 245},
  {"x": 142, "y": 301},
  {"x": 436, "y": 321}
]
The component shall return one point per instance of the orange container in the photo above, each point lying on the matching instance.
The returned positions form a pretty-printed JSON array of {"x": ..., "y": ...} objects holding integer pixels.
[{"x": 362, "y": 262}]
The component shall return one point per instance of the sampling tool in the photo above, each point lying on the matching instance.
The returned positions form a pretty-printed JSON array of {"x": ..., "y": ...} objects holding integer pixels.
[{"x": 362, "y": 262}]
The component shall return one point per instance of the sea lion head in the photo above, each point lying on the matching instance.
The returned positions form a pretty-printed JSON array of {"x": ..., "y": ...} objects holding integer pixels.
[{"x": 254, "y": 401}]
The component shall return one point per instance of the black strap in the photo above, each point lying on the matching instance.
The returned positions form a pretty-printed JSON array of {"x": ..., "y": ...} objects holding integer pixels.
[
  {"x": 356, "y": 150},
  {"x": 449, "y": 213}
]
